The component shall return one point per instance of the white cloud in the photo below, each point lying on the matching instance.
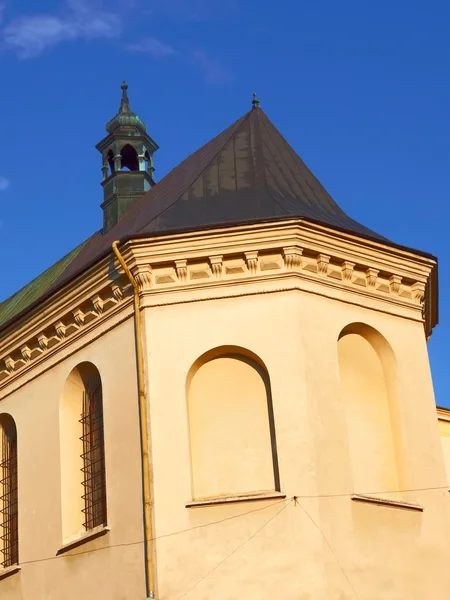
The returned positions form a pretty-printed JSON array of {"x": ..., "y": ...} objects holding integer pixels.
[
  {"x": 30, "y": 35},
  {"x": 153, "y": 47},
  {"x": 213, "y": 72},
  {"x": 199, "y": 59},
  {"x": 4, "y": 183}
]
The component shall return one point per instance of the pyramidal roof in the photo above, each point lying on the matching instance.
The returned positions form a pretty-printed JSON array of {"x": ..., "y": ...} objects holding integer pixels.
[{"x": 247, "y": 174}]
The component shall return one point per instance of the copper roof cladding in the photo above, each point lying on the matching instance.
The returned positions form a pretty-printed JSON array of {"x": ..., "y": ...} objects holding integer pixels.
[{"x": 247, "y": 174}]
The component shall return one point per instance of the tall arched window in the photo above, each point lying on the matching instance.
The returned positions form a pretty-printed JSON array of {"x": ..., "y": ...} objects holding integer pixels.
[
  {"x": 232, "y": 434},
  {"x": 9, "y": 525},
  {"x": 83, "y": 451},
  {"x": 368, "y": 382}
]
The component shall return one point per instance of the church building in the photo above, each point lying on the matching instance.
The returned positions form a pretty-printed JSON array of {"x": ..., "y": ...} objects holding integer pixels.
[{"x": 224, "y": 393}]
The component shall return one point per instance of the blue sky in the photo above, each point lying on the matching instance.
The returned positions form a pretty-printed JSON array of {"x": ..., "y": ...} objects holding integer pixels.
[{"x": 361, "y": 90}]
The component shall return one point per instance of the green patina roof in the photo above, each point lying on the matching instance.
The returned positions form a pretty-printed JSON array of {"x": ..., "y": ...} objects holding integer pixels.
[
  {"x": 125, "y": 117},
  {"x": 37, "y": 288}
]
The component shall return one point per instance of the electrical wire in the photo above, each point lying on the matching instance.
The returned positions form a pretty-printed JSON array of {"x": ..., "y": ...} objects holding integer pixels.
[
  {"x": 166, "y": 535},
  {"x": 329, "y": 546},
  {"x": 298, "y": 496},
  {"x": 348, "y": 494},
  {"x": 236, "y": 549}
]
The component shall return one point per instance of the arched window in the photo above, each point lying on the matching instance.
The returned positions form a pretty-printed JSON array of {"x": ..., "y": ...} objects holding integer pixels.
[
  {"x": 130, "y": 161},
  {"x": 9, "y": 525},
  {"x": 368, "y": 382},
  {"x": 110, "y": 158},
  {"x": 232, "y": 434},
  {"x": 148, "y": 162},
  {"x": 83, "y": 451}
]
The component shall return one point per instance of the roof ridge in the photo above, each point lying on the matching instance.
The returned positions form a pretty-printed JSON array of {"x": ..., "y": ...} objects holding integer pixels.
[{"x": 266, "y": 185}]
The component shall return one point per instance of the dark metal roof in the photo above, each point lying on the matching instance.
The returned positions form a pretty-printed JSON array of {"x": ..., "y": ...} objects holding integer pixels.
[{"x": 247, "y": 174}]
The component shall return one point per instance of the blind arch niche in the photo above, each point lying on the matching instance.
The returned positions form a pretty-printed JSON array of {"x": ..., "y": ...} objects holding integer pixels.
[
  {"x": 368, "y": 375},
  {"x": 231, "y": 425}
]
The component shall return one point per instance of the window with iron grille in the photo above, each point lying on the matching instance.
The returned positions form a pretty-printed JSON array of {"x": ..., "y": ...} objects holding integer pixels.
[
  {"x": 94, "y": 482},
  {"x": 9, "y": 530}
]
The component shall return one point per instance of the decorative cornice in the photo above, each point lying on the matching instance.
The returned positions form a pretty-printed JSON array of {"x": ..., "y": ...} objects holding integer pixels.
[
  {"x": 26, "y": 353},
  {"x": 78, "y": 315},
  {"x": 60, "y": 329},
  {"x": 293, "y": 258},
  {"x": 117, "y": 292},
  {"x": 251, "y": 259},
  {"x": 143, "y": 275},
  {"x": 216, "y": 265},
  {"x": 371, "y": 277},
  {"x": 74, "y": 321},
  {"x": 395, "y": 282},
  {"x": 97, "y": 304},
  {"x": 418, "y": 291},
  {"x": 181, "y": 269},
  {"x": 443, "y": 413},
  {"x": 202, "y": 262},
  {"x": 347, "y": 271}
]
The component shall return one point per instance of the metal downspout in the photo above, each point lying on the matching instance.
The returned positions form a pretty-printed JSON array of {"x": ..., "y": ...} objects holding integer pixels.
[{"x": 148, "y": 525}]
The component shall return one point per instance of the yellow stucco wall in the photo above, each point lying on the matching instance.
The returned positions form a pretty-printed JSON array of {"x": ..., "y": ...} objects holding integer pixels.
[
  {"x": 444, "y": 428},
  {"x": 110, "y": 566},
  {"x": 379, "y": 548},
  {"x": 325, "y": 544}
]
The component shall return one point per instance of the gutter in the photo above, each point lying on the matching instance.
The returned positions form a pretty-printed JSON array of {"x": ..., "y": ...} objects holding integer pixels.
[{"x": 145, "y": 458}]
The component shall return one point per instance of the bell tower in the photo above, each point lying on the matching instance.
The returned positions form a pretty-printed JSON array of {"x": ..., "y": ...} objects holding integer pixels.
[{"x": 127, "y": 162}]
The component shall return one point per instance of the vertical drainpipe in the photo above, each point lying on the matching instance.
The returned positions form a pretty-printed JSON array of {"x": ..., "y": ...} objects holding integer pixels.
[{"x": 146, "y": 486}]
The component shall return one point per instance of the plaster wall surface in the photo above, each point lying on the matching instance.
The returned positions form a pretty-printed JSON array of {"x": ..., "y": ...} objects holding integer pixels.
[
  {"x": 111, "y": 566},
  {"x": 444, "y": 429},
  {"x": 325, "y": 545}
]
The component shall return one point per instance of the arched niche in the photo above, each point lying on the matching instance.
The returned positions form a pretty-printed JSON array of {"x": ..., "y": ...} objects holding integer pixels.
[
  {"x": 82, "y": 451},
  {"x": 231, "y": 424},
  {"x": 9, "y": 507},
  {"x": 129, "y": 158},
  {"x": 110, "y": 160},
  {"x": 368, "y": 376}
]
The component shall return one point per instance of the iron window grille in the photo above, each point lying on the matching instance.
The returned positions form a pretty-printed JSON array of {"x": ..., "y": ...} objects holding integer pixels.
[
  {"x": 93, "y": 469},
  {"x": 9, "y": 547}
]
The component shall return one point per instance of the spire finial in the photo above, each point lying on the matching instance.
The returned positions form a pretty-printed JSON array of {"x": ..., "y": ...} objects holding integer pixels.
[
  {"x": 124, "y": 103},
  {"x": 255, "y": 101}
]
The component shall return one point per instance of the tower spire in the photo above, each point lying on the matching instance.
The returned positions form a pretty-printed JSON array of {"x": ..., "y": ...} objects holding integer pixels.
[
  {"x": 125, "y": 102},
  {"x": 127, "y": 162},
  {"x": 255, "y": 101}
]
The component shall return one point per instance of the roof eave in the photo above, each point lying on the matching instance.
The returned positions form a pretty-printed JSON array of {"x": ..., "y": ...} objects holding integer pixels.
[{"x": 431, "y": 316}]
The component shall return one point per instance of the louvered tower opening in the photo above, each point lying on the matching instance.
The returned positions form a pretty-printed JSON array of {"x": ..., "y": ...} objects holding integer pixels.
[
  {"x": 9, "y": 530},
  {"x": 94, "y": 480}
]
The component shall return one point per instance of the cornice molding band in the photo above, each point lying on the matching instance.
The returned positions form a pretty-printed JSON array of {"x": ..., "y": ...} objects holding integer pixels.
[{"x": 212, "y": 261}]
